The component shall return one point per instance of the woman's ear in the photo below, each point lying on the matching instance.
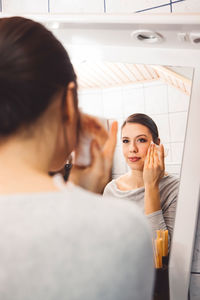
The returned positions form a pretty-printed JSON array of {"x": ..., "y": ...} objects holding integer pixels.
[
  {"x": 69, "y": 103},
  {"x": 158, "y": 141}
]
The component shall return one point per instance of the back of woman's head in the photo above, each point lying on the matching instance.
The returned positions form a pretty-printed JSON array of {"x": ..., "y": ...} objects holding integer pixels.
[
  {"x": 145, "y": 121},
  {"x": 33, "y": 67}
]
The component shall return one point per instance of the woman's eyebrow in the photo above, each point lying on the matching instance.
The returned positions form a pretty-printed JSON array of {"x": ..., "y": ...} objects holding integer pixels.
[
  {"x": 141, "y": 135},
  {"x": 126, "y": 137}
]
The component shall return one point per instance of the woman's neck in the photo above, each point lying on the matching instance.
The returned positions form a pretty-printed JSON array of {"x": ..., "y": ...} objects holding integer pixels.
[
  {"x": 131, "y": 181},
  {"x": 135, "y": 177},
  {"x": 24, "y": 167}
]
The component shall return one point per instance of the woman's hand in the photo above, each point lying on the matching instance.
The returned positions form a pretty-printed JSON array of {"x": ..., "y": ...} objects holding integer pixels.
[
  {"x": 97, "y": 175},
  {"x": 154, "y": 166},
  {"x": 154, "y": 169}
]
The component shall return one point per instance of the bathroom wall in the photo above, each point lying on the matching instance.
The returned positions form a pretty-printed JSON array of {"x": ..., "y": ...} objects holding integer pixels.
[
  {"x": 99, "y": 6},
  {"x": 165, "y": 104}
]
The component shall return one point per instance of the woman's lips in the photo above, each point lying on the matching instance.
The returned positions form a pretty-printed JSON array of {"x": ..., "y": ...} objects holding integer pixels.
[{"x": 133, "y": 159}]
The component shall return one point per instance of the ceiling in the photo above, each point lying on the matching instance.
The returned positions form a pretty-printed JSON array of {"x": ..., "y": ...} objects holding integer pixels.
[{"x": 101, "y": 75}]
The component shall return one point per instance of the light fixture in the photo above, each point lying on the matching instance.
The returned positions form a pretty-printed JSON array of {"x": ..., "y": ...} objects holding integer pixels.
[
  {"x": 195, "y": 37},
  {"x": 147, "y": 36}
]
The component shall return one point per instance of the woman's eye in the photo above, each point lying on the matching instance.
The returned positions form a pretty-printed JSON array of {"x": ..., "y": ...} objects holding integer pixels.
[
  {"x": 142, "y": 140},
  {"x": 125, "y": 141}
]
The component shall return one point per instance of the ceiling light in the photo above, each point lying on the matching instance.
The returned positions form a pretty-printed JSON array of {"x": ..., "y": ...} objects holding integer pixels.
[
  {"x": 147, "y": 36},
  {"x": 195, "y": 37}
]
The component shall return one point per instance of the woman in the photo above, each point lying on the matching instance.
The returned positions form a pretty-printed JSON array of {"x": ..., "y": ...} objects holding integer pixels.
[
  {"x": 58, "y": 241},
  {"x": 146, "y": 183}
]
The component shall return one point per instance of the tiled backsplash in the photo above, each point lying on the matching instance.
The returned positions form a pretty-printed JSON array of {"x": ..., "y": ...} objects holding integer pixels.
[
  {"x": 99, "y": 6},
  {"x": 189, "y": 6},
  {"x": 167, "y": 106}
]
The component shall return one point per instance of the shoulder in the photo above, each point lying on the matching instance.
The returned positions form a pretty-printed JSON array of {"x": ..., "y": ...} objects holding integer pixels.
[
  {"x": 97, "y": 234},
  {"x": 116, "y": 182},
  {"x": 169, "y": 186},
  {"x": 116, "y": 186},
  {"x": 110, "y": 208},
  {"x": 111, "y": 219},
  {"x": 110, "y": 187},
  {"x": 72, "y": 207},
  {"x": 122, "y": 178},
  {"x": 169, "y": 180}
]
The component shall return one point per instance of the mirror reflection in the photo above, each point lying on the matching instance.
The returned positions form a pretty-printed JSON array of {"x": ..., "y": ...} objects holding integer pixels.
[
  {"x": 153, "y": 102},
  {"x": 150, "y": 103}
]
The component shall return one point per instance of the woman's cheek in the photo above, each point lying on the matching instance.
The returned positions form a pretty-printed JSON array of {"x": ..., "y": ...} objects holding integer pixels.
[{"x": 124, "y": 150}]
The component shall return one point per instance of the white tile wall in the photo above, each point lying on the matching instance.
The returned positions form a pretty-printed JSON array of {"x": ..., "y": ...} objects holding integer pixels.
[
  {"x": 177, "y": 126},
  {"x": 162, "y": 122},
  {"x": 91, "y": 102},
  {"x": 130, "y": 6},
  {"x": 168, "y": 153},
  {"x": 112, "y": 103},
  {"x": 119, "y": 166},
  {"x": 173, "y": 169},
  {"x": 155, "y": 98},
  {"x": 187, "y": 6},
  {"x": 25, "y": 6},
  {"x": 97, "y": 6},
  {"x": 77, "y": 6},
  {"x": 177, "y": 152},
  {"x": 159, "y": 9},
  {"x": 133, "y": 100},
  {"x": 177, "y": 100},
  {"x": 120, "y": 122}
]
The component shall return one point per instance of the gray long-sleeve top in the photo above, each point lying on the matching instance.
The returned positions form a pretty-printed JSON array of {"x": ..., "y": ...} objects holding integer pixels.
[
  {"x": 161, "y": 219},
  {"x": 73, "y": 245}
]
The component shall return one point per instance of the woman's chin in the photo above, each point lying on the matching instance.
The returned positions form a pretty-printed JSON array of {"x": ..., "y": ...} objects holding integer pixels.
[{"x": 136, "y": 167}]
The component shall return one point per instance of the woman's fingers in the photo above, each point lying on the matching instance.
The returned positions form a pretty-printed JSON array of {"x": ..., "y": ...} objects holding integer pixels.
[
  {"x": 156, "y": 156},
  {"x": 162, "y": 155},
  {"x": 109, "y": 147},
  {"x": 90, "y": 177},
  {"x": 91, "y": 125},
  {"x": 96, "y": 156},
  {"x": 146, "y": 162},
  {"x": 154, "y": 164},
  {"x": 151, "y": 158}
]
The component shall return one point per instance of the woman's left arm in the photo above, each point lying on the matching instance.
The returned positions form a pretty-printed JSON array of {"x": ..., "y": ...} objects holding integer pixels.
[
  {"x": 159, "y": 218},
  {"x": 154, "y": 169},
  {"x": 164, "y": 218}
]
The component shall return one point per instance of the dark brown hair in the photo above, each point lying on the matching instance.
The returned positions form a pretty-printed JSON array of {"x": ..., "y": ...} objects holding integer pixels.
[
  {"x": 146, "y": 121},
  {"x": 33, "y": 67}
]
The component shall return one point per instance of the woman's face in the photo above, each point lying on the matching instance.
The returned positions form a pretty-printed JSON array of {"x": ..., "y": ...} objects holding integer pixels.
[{"x": 136, "y": 139}]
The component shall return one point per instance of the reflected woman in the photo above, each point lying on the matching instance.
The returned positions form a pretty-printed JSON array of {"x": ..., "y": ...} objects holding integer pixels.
[{"x": 147, "y": 184}]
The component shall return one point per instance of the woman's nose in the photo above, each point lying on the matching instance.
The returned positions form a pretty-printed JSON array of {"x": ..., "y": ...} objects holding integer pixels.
[{"x": 133, "y": 148}]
